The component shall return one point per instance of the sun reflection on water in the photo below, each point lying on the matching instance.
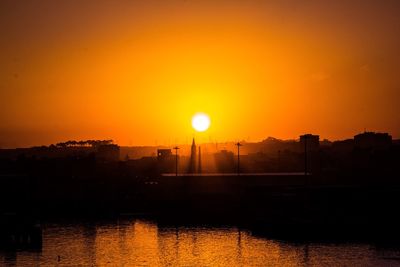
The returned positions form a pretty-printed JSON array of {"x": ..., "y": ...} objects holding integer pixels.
[{"x": 143, "y": 243}]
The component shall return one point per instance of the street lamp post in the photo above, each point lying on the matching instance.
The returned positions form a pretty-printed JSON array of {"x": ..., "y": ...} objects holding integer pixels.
[
  {"x": 238, "y": 157},
  {"x": 176, "y": 160}
]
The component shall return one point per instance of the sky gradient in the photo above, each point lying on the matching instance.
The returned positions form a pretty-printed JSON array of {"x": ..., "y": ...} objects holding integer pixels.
[{"x": 137, "y": 71}]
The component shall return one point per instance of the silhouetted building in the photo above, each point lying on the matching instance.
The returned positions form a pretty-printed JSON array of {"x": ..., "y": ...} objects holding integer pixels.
[
  {"x": 371, "y": 140},
  {"x": 164, "y": 154},
  {"x": 225, "y": 161},
  {"x": 192, "y": 164},
  {"x": 272, "y": 145},
  {"x": 107, "y": 152},
  {"x": 343, "y": 146},
  {"x": 166, "y": 160},
  {"x": 325, "y": 143},
  {"x": 309, "y": 141}
]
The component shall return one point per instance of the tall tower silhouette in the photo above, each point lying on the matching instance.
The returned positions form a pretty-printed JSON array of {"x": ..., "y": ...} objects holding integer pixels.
[{"x": 192, "y": 167}]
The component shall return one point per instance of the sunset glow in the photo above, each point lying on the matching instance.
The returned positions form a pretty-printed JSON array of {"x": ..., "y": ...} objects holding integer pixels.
[{"x": 136, "y": 71}]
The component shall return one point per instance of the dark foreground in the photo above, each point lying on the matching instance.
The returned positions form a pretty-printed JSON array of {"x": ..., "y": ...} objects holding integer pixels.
[{"x": 283, "y": 206}]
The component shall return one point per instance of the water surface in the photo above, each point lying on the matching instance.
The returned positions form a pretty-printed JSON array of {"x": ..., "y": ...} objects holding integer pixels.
[{"x": 132, "y": 242}]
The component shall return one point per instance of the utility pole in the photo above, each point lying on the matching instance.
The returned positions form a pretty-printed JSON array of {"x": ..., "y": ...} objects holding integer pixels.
[
  {"x": 238, "y": 157},
  {"x": 176, "y": 160}
]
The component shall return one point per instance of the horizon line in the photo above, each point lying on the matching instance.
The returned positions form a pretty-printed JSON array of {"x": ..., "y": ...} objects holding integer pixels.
[{"x": 204, "y": 143}]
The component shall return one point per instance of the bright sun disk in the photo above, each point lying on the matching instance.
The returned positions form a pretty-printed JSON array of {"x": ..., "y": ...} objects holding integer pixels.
[{"x": 200, "y": 122}]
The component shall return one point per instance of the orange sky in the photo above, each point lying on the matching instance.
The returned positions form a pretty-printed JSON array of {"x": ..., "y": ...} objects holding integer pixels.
[{"x": 136, "y": 71}]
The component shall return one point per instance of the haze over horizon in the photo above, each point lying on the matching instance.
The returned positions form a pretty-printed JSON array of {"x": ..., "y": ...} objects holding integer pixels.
[{"x": 137, "y": 71}]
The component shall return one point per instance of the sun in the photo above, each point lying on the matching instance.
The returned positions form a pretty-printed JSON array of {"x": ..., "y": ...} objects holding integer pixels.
[{"x": 200, "y": 122}]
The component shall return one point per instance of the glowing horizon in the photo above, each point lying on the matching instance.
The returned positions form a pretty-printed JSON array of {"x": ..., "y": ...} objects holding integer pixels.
[{"x": 136, "y": 71}]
